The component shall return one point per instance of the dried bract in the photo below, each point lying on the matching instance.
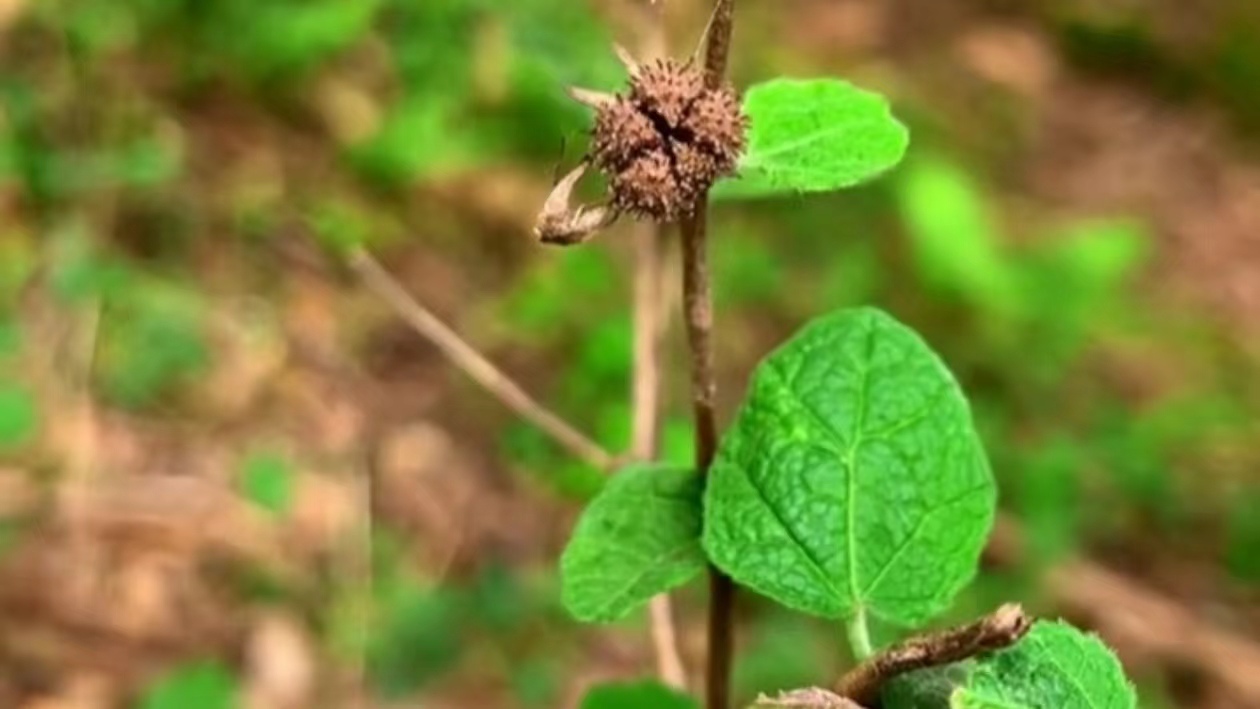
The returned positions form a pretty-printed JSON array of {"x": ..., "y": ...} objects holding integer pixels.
[{"x": 560, "y": 223}]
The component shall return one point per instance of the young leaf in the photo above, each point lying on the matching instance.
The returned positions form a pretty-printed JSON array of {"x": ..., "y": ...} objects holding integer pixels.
[
  {"x": 852, "y": 478},
  {"x": 640, "y": 536},
  {"x": 636, "y": 695},
  {"x": 814, "y": 135},
  {"x": 1055, "y": 667}
]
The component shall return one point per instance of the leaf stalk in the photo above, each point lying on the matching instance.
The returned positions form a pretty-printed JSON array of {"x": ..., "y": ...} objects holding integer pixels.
[{"x": 859, "y": 635}]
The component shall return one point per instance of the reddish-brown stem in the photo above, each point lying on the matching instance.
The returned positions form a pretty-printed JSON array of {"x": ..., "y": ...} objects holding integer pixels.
[{"x": 698, "y": 309}]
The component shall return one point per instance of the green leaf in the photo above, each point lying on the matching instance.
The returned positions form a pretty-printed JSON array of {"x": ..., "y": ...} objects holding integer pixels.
[
  {"x": 639, "y": 537},
  {"x": 814, "y": 135},
  {"x": 1055, "y": 667},
  {"x": 852, "y": 479},
  {"x": 267, "y": 481},
  {"x": 202, "y": 685},
  {"x": 646, "y": 694}
]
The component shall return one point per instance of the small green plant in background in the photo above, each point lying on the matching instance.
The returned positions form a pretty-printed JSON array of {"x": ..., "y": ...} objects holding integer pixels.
[
  {"x": 267, "y": 480},
  {"x": 197, "y": 685},
  {"x": 852, "y": 484},
  {"x": 19, "y": 415}
]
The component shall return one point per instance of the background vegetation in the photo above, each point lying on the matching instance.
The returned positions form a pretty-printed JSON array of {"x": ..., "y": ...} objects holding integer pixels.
[{"x": 228, "y": 471}]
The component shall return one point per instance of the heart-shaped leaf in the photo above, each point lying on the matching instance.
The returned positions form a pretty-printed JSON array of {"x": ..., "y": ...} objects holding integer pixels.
[
  {"x": 1055, "y": 667},
  {"x": 639, "y": 537},
  {"x": 814, "y": 135},
  {"x": 852, "y": 479}
]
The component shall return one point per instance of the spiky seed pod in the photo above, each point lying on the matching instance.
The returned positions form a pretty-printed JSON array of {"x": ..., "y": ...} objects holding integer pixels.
[
  {"x": 666, "y": 88},
  {"x": 621, "y": 134},
  {"x": 646, "y": 185},
  {"x": 719, "y": 127},
  {"x": 665, "y": 141}
]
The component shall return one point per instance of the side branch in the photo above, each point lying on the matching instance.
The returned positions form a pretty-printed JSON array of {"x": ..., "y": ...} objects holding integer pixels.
[
  {"x": 460, "y": 353},
  {"x": 1001, "y": 628}
]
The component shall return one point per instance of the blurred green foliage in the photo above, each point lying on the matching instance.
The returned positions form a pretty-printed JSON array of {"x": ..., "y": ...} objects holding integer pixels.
[
  {"x": 267, "y": 480},
  {"x": 631, "y": 695},
  {"x": 197, "y": 685},
  {"x": 19, "y": 414}
]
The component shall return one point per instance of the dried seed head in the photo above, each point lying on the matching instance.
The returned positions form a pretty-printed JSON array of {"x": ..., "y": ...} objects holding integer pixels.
[
  {"x": 667, "y": 89},
  {"x": 664, "y": 142},
  {"x": 622, "y": 134}
]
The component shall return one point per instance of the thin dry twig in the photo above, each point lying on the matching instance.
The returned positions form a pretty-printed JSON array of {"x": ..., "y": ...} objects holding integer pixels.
[
  {"x": 646, "y": 395},
  {"x": 649, "y": 327},
  {"x": 645, "y": 392},
  {"x": 81, "y": 466},
  {"x": 811, "y": 698},
  {"x": 474, "y": 364},
  {"x": 1001, "y": 628},
  {"x": 645, "y": 432}
]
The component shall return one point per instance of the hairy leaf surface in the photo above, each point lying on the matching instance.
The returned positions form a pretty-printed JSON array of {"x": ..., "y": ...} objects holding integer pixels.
[
  {"x": 639, "y": 537},
  {"x": 852, "y": 477},
  {"x": 814, "y": 135},
  {"x": 1055, "y": 667}
]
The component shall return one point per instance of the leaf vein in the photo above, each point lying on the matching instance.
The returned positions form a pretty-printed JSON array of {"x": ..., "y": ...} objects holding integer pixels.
[
  {"x": 655, "y": 563},
  {"x": 815, "y": 564},
  {"x": 918, "y": 529},
  {"x": 1070, "y": 676}
]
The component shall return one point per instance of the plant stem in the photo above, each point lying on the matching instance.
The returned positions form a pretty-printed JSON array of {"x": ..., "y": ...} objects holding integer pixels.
[
  {"x": 859, "y": 635},
  {"x": 698, "y": 307}
]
